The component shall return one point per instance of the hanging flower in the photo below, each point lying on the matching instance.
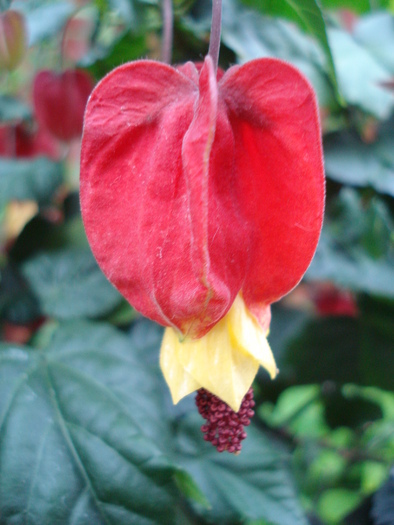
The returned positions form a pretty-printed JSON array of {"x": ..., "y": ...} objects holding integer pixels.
[
  {"x": 202, "y": 197},
  {"x": 60, "y": 100}
]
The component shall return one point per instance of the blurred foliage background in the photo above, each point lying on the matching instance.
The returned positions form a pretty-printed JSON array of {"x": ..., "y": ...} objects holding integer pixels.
[{"x": 88, "y": 434}]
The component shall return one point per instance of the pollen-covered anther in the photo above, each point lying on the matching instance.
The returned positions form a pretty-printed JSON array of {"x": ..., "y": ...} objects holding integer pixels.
[{"x": 224, "y": 427}]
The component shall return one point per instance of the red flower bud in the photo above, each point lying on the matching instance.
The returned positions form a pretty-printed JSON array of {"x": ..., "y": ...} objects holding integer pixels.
[
  {"x": 194, "y": 189},
  {"x": 60, "y": 100},
  {"x": 13, "y": 40}
]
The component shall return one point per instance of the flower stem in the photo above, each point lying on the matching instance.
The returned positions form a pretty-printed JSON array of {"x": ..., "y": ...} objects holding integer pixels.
[
  {"x": 216, "y": 26},
  {"x": 168, "y": 26}
]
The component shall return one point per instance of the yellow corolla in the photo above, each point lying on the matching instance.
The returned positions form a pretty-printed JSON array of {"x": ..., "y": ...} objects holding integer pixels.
[{"x": 224, "y": 361}]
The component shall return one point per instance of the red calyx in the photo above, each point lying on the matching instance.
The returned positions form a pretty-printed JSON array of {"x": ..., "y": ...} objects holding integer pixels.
[{"x": 224, "y": 427}]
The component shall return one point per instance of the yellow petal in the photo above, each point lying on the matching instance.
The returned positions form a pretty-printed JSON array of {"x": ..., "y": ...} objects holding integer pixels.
[
  {"x": 180, "y": 382},
  {"x": 249, "y": 336},
  {"x": 225, "y": 361}
]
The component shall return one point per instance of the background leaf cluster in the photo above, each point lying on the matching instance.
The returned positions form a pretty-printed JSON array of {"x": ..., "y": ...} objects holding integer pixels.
[{"x": 87, "y": 430}]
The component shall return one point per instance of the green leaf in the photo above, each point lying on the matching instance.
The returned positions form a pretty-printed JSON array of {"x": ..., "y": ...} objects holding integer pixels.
[
  {"x": 357, "y": 6},
  {"x": 335, "y": 504},
  {"x": 34, "y": 179},
  {"x": 69, "y": 284},
  {"x": 376, "y": 33},
  {"x": 385, "y": 400},
  {"x": 327, "y": 469},
  {"x": 40, "y": 234},
  {"x": 310, "y": 13},
  {"x": 373, "y": 475},
  {"x": 252, "y": 36},
  {"x": 190, "y": 489},
  {"x": 127, "y": 48},
  {"x": 17, "y": 303},
  {"x": 346, "y": 350},
  {"x": 256, "y": 485},
  {"x": 350, "y": 161},
  {"x": 74, "y": 443},
  {"x": 13, "y": 109},
  {"x": 301, "y": 409},
  {"x": 360, "y": 76},
  {"x": 356, "y": 246},
  {"x": 90, "y": 405}
]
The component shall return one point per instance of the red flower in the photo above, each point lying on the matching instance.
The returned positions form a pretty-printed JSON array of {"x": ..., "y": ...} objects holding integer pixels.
[
  {"x": 60, "y": 100},
  {"x": 194, "y": 189}
]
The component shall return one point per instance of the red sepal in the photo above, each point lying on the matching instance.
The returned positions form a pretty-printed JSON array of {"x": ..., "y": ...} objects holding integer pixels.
[
  {"x": 193, "y": 190},
  {"x": 274, "y": 117}
]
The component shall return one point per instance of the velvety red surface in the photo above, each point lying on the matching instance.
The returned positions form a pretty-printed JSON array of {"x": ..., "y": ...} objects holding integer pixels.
[{"x": 194, "y": 188}]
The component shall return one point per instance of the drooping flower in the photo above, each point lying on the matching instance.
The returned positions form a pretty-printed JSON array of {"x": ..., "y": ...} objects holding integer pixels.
[
  {"x": 60, "y": 100},
  {"x": 202, "y": 197}
]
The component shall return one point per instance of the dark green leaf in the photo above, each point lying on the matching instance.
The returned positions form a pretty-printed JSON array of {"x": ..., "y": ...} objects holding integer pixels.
[
  {"x": 190, "y": 489},
  {"x": 40, "y": 234},
  {"x": 356, "y": 248},
  {"x": 255, "y": 485},
  {"x": 34, "y": 179},
  {"x": 310, "y": 13},
  {"x": 17, "y": 303},
  {"x": 79, "y": 433},
  {"x": 128, "y": 48},
  {"x": 13, "y": 109},
  {"x": 346, "y": 349},
  {"x": 69, "y": 284},
  {"x": 383, "y": 503},
  {"x": 350, "y": 161}
]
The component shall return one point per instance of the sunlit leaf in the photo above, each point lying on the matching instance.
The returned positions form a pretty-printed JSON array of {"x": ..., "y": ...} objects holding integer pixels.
[{"x": 360, "y": 76}]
